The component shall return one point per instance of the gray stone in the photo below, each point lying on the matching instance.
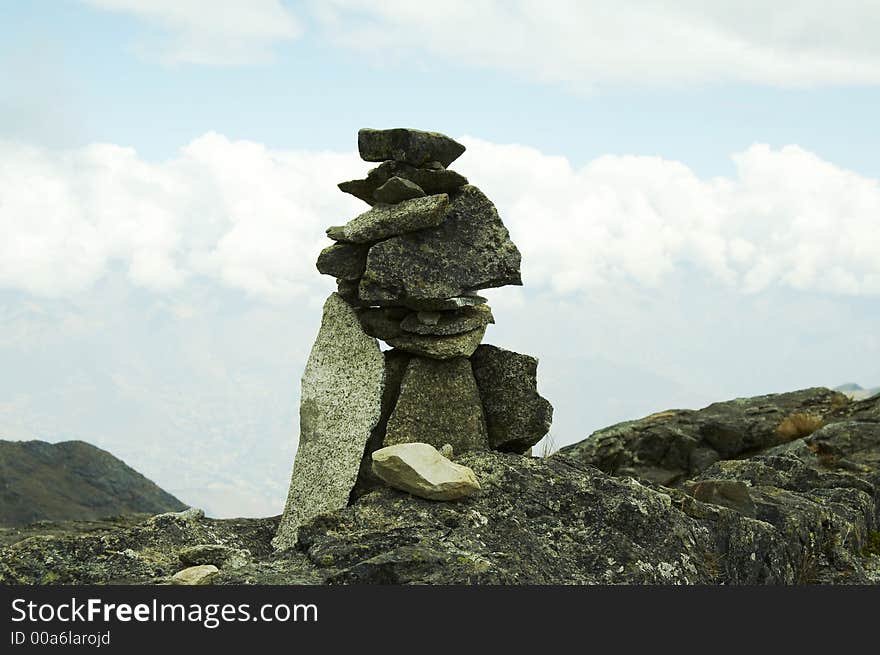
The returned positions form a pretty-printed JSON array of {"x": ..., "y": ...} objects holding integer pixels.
[
  {"x": 340, "y": 404},
  {"x": 517, "y": 416},
  {"x": 430, "y": 181},
  {"x": 410, "y": 146},
  {"x": 397, "y": 189},
  {"x": 470, "y": 250},
  {"x": 447, "y": 323},
  {"x": 438, "y": 404},
  {"x": 442, "y": 304},
  {"x": 348, "y": 290},
  {"x": 381, "y": 322},
  {"x": 420, "y": 469},
  {"x": 383, "y": 221},
  {"x": 345, "y": 261},
  {"x": 445, "y": 347},
  {"x": 195, "y": 575}
]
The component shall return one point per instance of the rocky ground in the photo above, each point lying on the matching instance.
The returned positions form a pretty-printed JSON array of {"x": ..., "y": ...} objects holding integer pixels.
[{"x": 781, "y": 489}]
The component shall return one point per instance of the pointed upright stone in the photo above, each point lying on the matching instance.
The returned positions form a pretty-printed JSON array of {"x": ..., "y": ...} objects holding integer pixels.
[
  {"x": 438, "y": 404},
  {"x": 340, "y": 404},
  {"x": 517, "y": 416},
  {"x": 470, "y": 250},
  {"x": 406, "y": 145}
]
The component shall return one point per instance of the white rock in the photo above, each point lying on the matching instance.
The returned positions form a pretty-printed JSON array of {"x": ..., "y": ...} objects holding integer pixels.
[
  {"x": 420, "y": 469},
  {"x": 195, "y": 575}
]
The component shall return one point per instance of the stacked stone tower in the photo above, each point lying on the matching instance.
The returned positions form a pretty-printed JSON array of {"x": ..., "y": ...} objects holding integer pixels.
[{"x": 407, "y": 272}]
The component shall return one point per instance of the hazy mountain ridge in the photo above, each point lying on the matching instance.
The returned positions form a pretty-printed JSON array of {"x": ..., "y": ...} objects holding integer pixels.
[
  {"x": 72, "y": 480},
  {"x": 856, "y": 391}
]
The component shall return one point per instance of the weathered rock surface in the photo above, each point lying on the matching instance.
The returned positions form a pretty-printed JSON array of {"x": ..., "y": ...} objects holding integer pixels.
[
  {"x": 396, "y": 362},
  {"x": 517, "y": 416},
  {"x": 340, "y": 405},
  {"x": 727, "y": 493},
  {"x": 195, "y": 575},
  {"x": 442, "y": 304},
  {"x": 409, "y": 146},
  {"x": 218, "y": 555},
  {"x": 431, "y": 181},
  {"x": 348, "y": 291},
  {"x": 345, "y": 261},
  {"x": 447, "y": 323},
  {"x": 438, "y": 404},
  {"x": 448, "y": 347},
  {"x": 535, "y": 521},
  {"x": 420, "y": 469},
  {"x": 671, "y": 446},
  {"x": 383, "y": 221},
  {"x": 397, "y": 189},
  {"x": 470, "y": 250}
]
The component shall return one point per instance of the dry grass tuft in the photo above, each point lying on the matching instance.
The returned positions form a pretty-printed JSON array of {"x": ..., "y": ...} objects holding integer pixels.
[
  {"x": 547, "y": 446},
  {"x": 799, "y": 425}
]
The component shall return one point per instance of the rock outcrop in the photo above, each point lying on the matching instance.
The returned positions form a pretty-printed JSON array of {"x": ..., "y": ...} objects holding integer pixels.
[
  {"x": 675, "y": 445},
  {"x": 802, "y": 511}
]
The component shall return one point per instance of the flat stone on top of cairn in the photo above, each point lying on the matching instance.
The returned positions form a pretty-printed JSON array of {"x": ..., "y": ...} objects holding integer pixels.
[
  {"x": 407, "y": 272},
  {"x": 413, "y": 147}
]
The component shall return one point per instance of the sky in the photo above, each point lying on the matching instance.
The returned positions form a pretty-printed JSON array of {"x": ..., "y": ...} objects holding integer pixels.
[{"x": 693, "y": 186}]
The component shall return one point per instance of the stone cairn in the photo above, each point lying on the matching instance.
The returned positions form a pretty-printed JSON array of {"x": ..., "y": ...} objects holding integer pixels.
[{"x": 407, "y": 271}]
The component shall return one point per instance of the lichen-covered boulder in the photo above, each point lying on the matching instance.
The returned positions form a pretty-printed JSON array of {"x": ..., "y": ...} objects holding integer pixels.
[{"x": 672, "y": 446}]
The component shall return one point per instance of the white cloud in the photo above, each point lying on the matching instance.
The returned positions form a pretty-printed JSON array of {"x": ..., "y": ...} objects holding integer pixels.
[
  {"x": 231, "y": 210},
  {"x": 254, "y": 218},
  {"x": 785, "y": 42},
  {"x": 787, "y": 219},
  {"x": 211, "y": 31}
]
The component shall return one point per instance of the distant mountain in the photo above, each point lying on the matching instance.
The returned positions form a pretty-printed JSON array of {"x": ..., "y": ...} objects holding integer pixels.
[
  {"x": 856, "y": 391},
  {"x": 72, "y": 480}
]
